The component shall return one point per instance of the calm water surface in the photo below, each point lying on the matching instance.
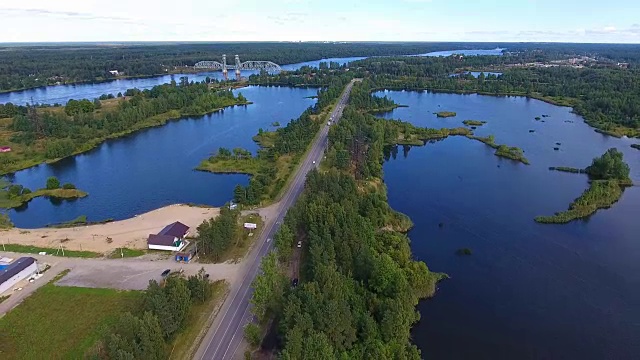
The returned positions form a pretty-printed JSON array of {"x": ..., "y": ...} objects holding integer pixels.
[
  {"x": 154, "y": 167},
  {"x": 528, "y": 291},
  {"x": 62, "y": 93}
]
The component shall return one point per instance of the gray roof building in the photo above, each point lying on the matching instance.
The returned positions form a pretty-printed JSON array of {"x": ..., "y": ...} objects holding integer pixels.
[{"x": 15, "y": 268}]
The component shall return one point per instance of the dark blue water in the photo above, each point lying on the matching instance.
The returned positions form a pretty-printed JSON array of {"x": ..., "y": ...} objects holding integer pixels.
[
  {"x": 62, "y": 93},
  {"x": 154, "y": 167},
  {"x": 528, "y": 291}
]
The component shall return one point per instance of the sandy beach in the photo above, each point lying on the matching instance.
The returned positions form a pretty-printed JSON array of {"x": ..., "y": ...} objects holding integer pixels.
[{"x": 103, "y": 238}]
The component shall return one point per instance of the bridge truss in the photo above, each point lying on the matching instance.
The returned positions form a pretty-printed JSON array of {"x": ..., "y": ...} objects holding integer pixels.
[{"x": 247, "y": 65}]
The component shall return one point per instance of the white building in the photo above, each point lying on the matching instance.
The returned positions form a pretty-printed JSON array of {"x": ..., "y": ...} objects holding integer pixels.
[
  {"x": 171, "y": 238},
  {"x": 114, "y": 72},
  {"x": 17, "y": 271}
]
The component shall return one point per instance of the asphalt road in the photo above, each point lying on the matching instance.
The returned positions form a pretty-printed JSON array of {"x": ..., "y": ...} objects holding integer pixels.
[{"x": 225, "y": 336}]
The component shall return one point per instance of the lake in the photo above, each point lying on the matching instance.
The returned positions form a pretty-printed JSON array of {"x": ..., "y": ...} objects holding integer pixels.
[
  {"x": 154, "y": 167},
  {"x": 62, "y": 93},
  {"x": 528, "y": 291}
]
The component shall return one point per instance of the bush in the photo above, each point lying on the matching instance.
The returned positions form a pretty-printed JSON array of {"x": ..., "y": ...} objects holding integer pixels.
[
  {"x": 53, "y": 183},
  {"x": 252, "y": 334},
  {"x": 68, "y": 186}
]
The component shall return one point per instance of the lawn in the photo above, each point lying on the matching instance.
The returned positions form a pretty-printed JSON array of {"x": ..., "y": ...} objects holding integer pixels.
[
  {"x": 28, "y": 249},
  {"x": 239, "y": 249},
  {"x": 198, "y": 322},
  {"x": 61, "y": 322}
]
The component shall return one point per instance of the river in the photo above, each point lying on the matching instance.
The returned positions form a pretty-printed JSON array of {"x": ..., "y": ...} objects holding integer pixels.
[
  {"x": 528, "y": 291},
  {"x": 154, "y": 167},
  {"x": 62, "y": 93}
]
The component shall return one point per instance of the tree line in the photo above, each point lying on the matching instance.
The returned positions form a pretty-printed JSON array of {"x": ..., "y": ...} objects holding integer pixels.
[
  {"x": 55, "y": 134},
  {"x": 359, "y": 284},
  {"x": 164, "y": 308},
  {"x": 292, "y": 139},
  {"x": 24, "y": 67},
  {"x": 606, "y": 97}
]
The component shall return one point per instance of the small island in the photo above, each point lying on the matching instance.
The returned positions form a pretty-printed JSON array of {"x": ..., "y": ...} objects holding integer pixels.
[
  {"x": 636, "y": 146},
  {"x": 13, "y": 195},
  {"x": 609, "y": 174},
  {"x": 445, "y": 114},
  {"x": 474, "y": 122},
  {"x": 510, "y": 152}
]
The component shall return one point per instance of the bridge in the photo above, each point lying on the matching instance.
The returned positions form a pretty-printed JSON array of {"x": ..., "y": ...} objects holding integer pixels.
[{"x": 239, "y": 66}]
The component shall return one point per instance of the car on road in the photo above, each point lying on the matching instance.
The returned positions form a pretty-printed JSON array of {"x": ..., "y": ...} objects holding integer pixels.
[
  {"x": 268, "y": 239},
  {"x": 299, "y": 244},
  {"x": 314, "y": 161},
  {"x": 166, "y": 272},
  {"x": 294, "y": 283}
]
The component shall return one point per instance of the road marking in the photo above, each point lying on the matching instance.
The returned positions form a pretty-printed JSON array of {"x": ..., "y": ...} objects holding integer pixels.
[{"x": 284, "y": 205}]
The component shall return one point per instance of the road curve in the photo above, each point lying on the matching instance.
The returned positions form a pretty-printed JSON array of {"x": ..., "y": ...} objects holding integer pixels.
[{"x": 225, "y": 336}]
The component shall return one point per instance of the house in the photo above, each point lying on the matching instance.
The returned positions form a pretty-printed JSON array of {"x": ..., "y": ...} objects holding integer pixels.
[
  {"x": 5, "y": 149},
  {"x": 17, "y": 271},
  {"x": 114, "y": 72},
  {"x": 171, "y": 238}
]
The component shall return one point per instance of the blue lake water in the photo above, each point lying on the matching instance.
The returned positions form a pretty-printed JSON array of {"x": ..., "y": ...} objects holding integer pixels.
[
  {"x": 154, "y": 167},
  {"x": 528, "y": 291},
  {"x": 62, "y": 93}
]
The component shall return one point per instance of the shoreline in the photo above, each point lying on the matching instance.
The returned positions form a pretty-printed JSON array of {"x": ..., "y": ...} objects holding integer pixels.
[
  {"x": 171, "y": 116},
  {"x": 128, "y": 233}
]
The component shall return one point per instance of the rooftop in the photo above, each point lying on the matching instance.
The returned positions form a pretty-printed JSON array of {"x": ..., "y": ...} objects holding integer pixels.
[
  {"x": 164, "y": 240},
  {"x": 177, "y": 229},
  {"x": 15, "y": 267}
]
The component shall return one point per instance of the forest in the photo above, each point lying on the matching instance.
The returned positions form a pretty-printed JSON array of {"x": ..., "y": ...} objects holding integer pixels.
[
  {"x": 28, "y": 66},
  {"x": 608, "y": 98},
  {"x": 146, "y": 332},
  {"x": 44, "y": 134},
  {"x": 275, "y": 161},
  {"x": 608, "y": 175},
  {"x": 358, "y": 282}
]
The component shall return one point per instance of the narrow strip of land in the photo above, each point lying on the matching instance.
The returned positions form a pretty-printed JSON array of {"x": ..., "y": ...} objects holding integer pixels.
[{"x": 225, "y": 336}]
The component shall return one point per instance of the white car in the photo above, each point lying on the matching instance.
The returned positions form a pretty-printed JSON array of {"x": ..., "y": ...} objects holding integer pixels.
[
  {"x": 299, "y": 244},
  {"x": 314, "y": 161}
]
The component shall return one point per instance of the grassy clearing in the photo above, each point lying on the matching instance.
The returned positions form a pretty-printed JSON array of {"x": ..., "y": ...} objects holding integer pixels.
[
  {"x": 513, "y": 153},
  {"x": 126, "y": 252},
  {"x": 474, "y": 122},
  {"x": 510, "y": 152},
  {"x": 219, "y": 165},
  {"x": 265, "y": 139},
  {"x": 198, "y": 321},
  {"x": 244, "y": 241},
  {"x": 601, "y": 194},
  {"x": 8, "y": 202},
  {"x": 61, "y": 322},
  {"x": 445, "y": 114},
  {"x": 28, "y": 249}
]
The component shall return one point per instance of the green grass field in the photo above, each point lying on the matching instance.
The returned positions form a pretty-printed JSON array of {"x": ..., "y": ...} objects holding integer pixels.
[
  {"x": 61, "y": 322},
  {"x": 28, "y": 249}
]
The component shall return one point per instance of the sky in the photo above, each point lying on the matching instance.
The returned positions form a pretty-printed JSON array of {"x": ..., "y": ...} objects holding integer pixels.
[{"x": 613, "y": 21}]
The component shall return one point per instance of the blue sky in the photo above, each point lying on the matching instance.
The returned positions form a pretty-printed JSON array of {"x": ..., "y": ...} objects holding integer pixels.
[{"x": 326, "y": 20}]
